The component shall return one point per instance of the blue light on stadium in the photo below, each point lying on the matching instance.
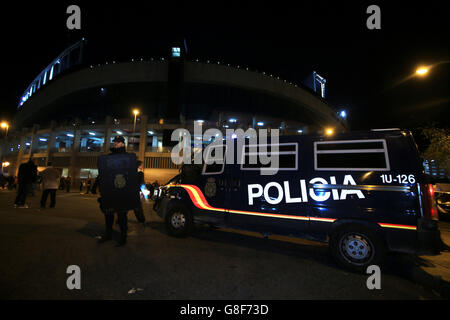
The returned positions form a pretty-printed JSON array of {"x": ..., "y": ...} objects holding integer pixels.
[
  {"x": 176, "y": 52},
  {"x": 343, "y": 114}
]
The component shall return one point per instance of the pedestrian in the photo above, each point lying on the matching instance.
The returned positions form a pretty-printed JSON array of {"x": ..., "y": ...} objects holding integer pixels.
[
  {"x": 68, "y": 182},
  {"x": 118, "y": 148},
  {"x": 88, "y": 186},
  {"x": 2, "y": 181},
  {"x": 139, "y": 212},
  {"x": 26, "y": 177},
  {"x": 94, "y": 186},
  {"x": 61, "y": 183},
  {"x": 50, "y": 179}
]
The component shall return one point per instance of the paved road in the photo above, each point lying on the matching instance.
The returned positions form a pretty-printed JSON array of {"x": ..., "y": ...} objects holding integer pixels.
[{"x": 37, "y": 246}]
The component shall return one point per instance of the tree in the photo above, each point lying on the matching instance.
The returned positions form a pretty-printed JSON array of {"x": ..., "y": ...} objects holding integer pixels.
[{"x": 438, "y": 148}]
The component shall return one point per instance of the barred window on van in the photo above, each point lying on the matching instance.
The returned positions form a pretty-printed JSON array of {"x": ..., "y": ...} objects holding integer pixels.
[
  {"x": 287, "y": 156},
  {"x": 351, "y": 155}
]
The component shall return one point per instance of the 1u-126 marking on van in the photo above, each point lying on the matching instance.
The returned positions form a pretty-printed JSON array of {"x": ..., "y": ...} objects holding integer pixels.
[{"x": 400, "y": 178}]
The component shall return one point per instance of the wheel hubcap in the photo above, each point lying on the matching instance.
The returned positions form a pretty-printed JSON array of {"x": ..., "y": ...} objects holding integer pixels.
[
  {"x": 178, "y": 220},
  {"x": 356, "y": 248}
]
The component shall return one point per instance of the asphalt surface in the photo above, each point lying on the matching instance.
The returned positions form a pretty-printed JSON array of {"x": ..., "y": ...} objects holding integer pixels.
[{"x": 37, "y": 246}]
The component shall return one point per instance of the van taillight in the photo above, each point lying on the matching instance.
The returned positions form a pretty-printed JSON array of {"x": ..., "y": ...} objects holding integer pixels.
[{"x": 429, "y": 205}]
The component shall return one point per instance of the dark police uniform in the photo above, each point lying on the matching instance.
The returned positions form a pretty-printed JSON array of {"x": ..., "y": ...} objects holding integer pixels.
[{"x": 122, "y": 196}]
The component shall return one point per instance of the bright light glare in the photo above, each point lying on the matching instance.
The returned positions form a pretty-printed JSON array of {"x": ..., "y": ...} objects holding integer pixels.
[
  {"x": 329, "y": 131},
  {"x": 421, "y": 71},
  {"x": 135, "y": 112},
  {"x": 4, "y": 125}
]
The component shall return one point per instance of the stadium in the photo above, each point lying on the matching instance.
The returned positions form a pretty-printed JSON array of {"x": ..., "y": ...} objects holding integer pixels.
[{"x": 72, "y": 110}]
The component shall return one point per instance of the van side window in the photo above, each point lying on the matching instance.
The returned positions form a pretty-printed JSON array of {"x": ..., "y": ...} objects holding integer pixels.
[
  {"x": 287, "y": 155},
  {"x": 217, "y": 167},
  {"x": 351, "y": 155}
]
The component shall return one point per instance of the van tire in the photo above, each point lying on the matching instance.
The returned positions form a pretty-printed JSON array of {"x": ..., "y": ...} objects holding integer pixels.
[
  {"x": 355, "y": 247},
  {"x": 178, "y": 221}
]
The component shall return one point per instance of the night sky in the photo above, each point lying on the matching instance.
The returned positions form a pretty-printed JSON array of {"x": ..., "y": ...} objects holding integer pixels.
[{"x": 363, "y": 68}]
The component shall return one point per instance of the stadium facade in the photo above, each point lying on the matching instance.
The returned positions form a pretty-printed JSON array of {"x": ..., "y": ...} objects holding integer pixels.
[{"x": 72, "y": 110}]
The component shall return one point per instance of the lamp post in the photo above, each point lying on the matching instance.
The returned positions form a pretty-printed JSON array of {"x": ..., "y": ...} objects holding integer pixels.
[
  {"x": 5, "y": 126},
  {"x": 423, "y": 70},
  {"x": 135, "y": 112},
  {"x": 329, "y": 131}
]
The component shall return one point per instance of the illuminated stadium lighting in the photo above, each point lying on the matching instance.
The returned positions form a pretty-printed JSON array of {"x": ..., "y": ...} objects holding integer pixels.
[
  {"x": 176, "y": 52},
  {"x": 51, "y": 73}
]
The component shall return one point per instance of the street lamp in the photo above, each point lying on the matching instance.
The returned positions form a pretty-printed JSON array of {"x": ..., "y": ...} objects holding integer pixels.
[
  {"x": 135, "y": 112},
  {"x": 329, "y": 131},
  {"x": 422, "y": 71},
  {"x": 5, "y": 126}
]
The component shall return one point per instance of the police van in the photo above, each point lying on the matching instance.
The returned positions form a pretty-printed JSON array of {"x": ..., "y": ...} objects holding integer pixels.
[{"x": 365, "y": 193}]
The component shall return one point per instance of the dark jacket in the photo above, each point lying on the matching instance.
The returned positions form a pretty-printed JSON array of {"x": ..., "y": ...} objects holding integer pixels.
[
  {"x": 141, "y": 179},
  {"x": 27, "y": 172}
]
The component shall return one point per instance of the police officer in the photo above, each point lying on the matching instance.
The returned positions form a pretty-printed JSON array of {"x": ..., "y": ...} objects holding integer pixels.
[{"x": 118, "y": 147}]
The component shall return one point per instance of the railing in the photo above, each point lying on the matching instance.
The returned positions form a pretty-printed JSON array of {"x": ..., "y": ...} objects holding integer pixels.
[{"x": 159, "y": 149}]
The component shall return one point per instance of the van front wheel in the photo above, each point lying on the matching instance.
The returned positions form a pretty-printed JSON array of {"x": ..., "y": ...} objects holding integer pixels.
[
  {"x": 178, "y": 221},
  {"x": 356, "y": 247}
]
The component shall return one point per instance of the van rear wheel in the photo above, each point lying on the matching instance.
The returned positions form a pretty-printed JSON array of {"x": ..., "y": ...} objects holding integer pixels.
[
  {"x": 178, "y": 221},
  {"x": 355, "y": 247}
]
